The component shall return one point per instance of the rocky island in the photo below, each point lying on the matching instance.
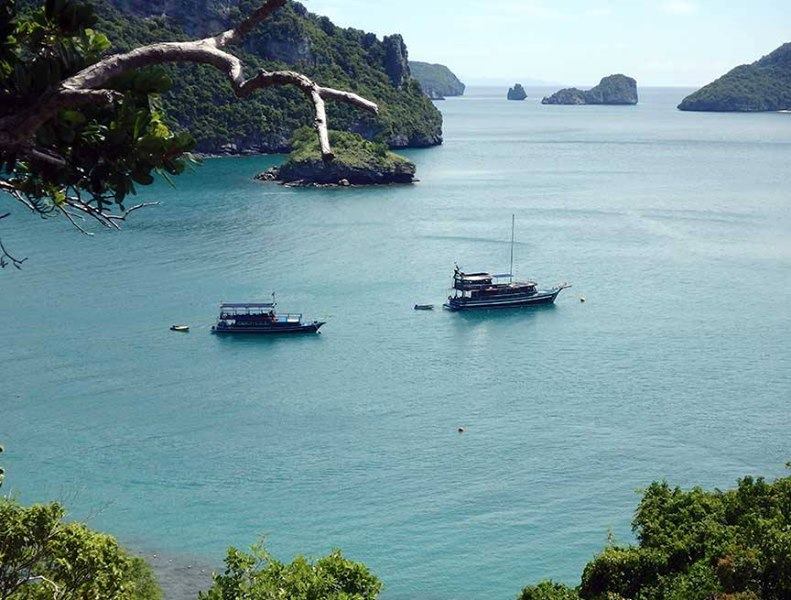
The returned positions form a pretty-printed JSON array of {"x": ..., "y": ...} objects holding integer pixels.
[
  {"x": 764, "y": 85},
  {"x": 517, "y": 92},
  {"x": 436, "y": 81},
  {"x": 357, "y": 162},
  {"x": 615, "y": 89},
  {"x": 202, "y": 102}
]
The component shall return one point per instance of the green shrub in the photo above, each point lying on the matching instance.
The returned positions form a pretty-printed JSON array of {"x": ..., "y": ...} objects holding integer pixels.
[
  {"x": 548, "y": 590},
  {"x": 40, "y": 554},
  {"x": 259, "y": 576},
  {"x": 700, "y": 545},
  {"x": 622, "y": 571}
]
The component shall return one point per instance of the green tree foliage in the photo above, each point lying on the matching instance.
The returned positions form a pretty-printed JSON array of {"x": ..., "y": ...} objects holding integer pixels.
[
  {"x": 696, "y": 545},
  {"x": 98, "y": 151},
  {"x": 349, "y": 148},
  {"x": 357, "y": 161},
  {"x": 548, "y": 590},
  {"x": 259, "y": 576},
  {"x": 42, "y": 556}
]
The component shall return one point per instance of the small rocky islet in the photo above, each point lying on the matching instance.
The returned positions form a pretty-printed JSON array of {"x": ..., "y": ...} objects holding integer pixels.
[
  {"x": 612, "y": 90},
  {"x": 517, "y": 92},
  {"x": 357, "y": 162}
]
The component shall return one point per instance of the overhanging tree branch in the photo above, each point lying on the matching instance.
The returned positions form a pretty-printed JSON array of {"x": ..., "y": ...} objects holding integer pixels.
[{"x": 86, "y": 86}]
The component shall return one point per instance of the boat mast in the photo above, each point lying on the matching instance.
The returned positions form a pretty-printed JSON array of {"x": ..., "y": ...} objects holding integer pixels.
[{"x": 511, "y": 270}]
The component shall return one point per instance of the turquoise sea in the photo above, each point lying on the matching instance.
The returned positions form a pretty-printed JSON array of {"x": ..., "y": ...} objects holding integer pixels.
[{"x": 675, "y": 226}]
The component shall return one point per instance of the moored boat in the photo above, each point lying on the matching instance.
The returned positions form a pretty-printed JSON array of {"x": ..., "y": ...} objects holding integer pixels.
[
  {"x": 261, "y": 318},
  {"x": 424, "y": 307},
  {"x": 484, "y": 290}
]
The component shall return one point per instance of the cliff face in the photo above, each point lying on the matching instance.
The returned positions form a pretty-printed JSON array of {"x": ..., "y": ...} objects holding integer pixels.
[
  {"x": 396, "y": 62},
  {"x": 764, "y": 85},
  {"x": 201, "y": 102},
  {"x": 614, "y": 89},
  {"x": 437, "y": 81},
  {"x": 517, "y": 92}
]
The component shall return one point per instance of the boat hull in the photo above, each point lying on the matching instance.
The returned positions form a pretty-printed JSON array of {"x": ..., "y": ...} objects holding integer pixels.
[
  {"x": 278, "y": 330},
  {"x": 537, "y": 299}
]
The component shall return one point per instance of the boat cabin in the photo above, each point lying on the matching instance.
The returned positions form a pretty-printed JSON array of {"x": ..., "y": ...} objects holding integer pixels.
[
  {"x": 255, "y": 313},
  {"x": 483, "y": 285}
]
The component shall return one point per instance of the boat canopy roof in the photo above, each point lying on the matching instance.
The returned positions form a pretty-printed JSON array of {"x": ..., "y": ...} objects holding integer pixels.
[
  {"x": 473, "y": 277},
  {"x": 246, "y": 305}
]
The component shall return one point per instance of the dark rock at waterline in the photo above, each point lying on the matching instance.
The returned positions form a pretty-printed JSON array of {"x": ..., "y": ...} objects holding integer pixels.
[
  {"x": 614, "y": 90},
  {"x": 336, "y": 174},
  {"x": 517, "y": 92}
]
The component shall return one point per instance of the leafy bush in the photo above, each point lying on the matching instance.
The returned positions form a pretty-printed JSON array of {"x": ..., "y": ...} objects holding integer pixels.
[
  {"x": 349, "y": 148},
  {"x": 357, "y": 161},
  {"x": 259, "y": 576},
  {"x": 548, "y": 590},
  {"x": 697, "y": 545},
  {"x": 622, "y": 571},
  {"x": 40, "y": 554}
]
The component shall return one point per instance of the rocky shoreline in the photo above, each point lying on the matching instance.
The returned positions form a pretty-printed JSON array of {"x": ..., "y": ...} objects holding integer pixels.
[
  {"x": 328, "y": 176},
  {"x": 283, "y": 146}
]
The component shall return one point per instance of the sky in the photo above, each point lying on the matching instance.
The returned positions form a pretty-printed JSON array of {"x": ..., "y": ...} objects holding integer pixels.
[{"x": 659, "y": 42}]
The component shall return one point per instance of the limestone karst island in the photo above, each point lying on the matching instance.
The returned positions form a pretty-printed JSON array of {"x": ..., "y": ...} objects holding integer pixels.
[
  {"x": 436, "y": 81},
  {"x": 321, "y": 301},
  {"x": 517, "y": 92},
  {"x": 764, "y": 85},
  {"x": 614, "y": 89}
]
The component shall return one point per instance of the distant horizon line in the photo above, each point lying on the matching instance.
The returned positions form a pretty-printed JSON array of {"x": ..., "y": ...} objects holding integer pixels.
[{"x": 500, "y": 83}]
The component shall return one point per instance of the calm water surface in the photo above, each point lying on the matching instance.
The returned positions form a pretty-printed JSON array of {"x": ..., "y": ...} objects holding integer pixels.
[{"x": 675, "y": 226}]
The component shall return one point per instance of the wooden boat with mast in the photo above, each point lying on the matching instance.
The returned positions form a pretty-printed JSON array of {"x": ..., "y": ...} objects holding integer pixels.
[{"x": 484, "y": 290}]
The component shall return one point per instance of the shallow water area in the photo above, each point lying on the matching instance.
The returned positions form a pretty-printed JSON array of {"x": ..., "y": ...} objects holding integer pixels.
[{"x": 674, "y": 226}]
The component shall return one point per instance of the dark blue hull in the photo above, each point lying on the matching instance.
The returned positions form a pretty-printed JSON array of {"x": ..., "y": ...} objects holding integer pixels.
[
  {"x": 270, "y": 330},
  {"x": 539, "y": 298}
]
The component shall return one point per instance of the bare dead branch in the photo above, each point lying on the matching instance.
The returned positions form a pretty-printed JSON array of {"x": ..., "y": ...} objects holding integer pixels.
[
  {"x": 6, "y": 258},
  {"x": 128, "y": 211},
  {"x": 13, "y": 191},
  {"x": 238, "y": 33},
  {"x": 49, "y": 582},
  {"x": 70, "y": 216}
]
